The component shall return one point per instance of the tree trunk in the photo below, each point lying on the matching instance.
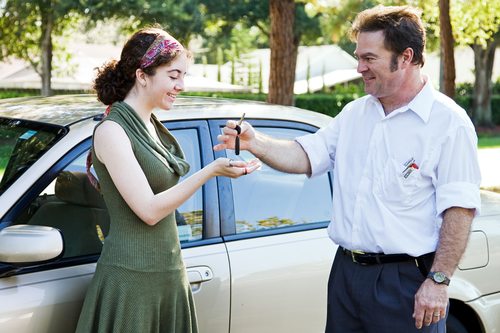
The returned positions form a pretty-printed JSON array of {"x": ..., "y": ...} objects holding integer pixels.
[
  {"x": 483, "y": 62},
  {"x": 447, "y": 86},
  {"x": 46, "y": 49},
  {"x": 284, "y": 47}
]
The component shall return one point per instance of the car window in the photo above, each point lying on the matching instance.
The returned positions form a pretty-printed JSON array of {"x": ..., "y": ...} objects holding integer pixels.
[
  {"x": 269, "y": 199},
  {"x": 72, "y": 205},
  {"x": 189, "y": 215},
  {"x": 21, "y": 144}
]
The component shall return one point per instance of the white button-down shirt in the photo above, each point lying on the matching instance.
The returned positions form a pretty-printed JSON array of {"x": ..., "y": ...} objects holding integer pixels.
[{"x": 395, "y": 175}]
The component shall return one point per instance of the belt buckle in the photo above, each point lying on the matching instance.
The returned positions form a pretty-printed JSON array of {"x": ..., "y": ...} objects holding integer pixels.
[{"x": 353, "y": 255}]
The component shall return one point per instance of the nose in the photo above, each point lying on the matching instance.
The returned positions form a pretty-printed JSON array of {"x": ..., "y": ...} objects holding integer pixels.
[
  {"x": 361, "y": 67},
  {"x": 179, "y": 86}
]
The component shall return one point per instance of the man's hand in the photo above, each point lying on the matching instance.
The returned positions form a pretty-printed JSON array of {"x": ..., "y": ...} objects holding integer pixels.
[
  {"x": 431, "y": 301},
  {"x": 228, "y": 138}
]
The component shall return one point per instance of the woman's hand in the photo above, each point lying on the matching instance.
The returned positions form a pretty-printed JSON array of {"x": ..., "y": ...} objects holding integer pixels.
[
  {"x": 234, "y": 168},
  {"x": 228, "y": 138}
]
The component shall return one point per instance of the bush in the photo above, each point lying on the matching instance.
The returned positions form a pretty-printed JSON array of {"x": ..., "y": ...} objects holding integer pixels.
[
  {"x": 330, "y": 104},
  {"x": 18, "y": 93}
]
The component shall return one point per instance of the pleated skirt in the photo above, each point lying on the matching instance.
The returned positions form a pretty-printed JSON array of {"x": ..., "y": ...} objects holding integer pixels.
[{"x": 120, "y": 300}]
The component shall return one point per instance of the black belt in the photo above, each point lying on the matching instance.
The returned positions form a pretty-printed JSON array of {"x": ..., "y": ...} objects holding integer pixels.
[{"x": 364, "y": 258}]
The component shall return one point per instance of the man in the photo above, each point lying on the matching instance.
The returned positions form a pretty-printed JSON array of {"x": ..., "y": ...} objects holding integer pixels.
[{"x": 406, "y": 183}]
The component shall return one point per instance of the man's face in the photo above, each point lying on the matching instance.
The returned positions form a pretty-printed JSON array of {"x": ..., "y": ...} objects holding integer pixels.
[{"x": 380, "y": 67}]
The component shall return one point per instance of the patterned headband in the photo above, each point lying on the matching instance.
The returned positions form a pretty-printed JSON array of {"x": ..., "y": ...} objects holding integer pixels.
[{"x": 161, "y": 45}]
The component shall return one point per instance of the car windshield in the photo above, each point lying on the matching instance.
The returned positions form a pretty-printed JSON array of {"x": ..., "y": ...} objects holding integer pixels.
[{"x": 21, "y": 144}]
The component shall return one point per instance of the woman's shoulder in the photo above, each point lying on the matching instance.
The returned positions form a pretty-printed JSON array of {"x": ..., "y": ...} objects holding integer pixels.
[{"x": 109, "y": 130}]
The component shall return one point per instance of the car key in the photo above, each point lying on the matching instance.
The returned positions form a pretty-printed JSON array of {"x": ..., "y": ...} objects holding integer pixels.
[{"x": 237, "y": 140}]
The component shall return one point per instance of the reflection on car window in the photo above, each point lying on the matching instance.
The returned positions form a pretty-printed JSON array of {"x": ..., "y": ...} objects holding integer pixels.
[
  {"x": 269, "y": 199},
  {"x": 21, "y": 144},
  {"x": 189, "y": 215}
]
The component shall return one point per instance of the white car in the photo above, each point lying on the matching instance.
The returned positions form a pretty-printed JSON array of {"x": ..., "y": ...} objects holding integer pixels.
[{"x": 256, "y": 248}]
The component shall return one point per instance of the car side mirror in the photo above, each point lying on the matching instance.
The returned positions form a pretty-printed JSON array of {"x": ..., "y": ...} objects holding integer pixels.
[{"x": 24, "y": 245}]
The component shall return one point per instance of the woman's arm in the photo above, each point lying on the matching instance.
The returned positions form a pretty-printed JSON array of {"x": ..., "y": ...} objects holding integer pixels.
[{"x": 113, "y": 148}]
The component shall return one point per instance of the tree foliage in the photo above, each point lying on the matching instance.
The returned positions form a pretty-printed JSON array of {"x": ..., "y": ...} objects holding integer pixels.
[
  {"x": 27, "y": 29},
  {"x": 182, "y": 18}
]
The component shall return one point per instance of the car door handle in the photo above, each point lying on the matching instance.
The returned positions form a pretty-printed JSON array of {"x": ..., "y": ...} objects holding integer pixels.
[{"x": 199, "y": 274}]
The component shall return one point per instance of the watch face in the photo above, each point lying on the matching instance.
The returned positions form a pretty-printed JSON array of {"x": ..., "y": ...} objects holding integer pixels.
[{"x": 439, "y": 277}]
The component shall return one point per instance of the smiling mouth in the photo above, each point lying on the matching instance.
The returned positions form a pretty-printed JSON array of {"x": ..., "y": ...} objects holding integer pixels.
[{"x": 171, "y": 95}]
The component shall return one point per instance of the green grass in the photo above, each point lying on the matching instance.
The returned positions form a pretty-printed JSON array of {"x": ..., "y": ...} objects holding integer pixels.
[{"x": 489, "y": 141}]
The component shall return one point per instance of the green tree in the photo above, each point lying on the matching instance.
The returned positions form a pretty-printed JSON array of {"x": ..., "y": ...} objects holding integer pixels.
[
  {"x": 182, "y": 18},
  {"x": 291, "y": 27},
  {"x": 477, "y": 24},
  {"x": 27, "y": 30}
]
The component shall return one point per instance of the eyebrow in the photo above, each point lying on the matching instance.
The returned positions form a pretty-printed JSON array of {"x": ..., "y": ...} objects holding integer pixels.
[
  {"x": 364, "y": 55},
  {"x": 175, "y": 70}
]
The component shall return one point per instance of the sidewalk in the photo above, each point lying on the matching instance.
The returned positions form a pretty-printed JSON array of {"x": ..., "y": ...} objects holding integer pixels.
[{"x": 489, "y": 162}]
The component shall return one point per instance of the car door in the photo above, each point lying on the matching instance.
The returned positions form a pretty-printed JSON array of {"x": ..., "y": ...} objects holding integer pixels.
[
  {"x": 274, "y": 226},
  {"x": 48, "y": 297},
  {"x": 203, "y": 249}
]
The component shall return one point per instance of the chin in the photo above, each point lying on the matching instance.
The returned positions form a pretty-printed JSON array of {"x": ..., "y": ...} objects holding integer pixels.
[{"x": 167, "y": 105}]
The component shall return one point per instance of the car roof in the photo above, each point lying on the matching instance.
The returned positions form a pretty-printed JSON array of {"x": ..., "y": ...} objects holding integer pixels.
[{"x": 69, "y": 109}]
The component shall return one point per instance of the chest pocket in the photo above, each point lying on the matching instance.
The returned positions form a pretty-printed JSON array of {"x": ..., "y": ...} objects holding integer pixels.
[{"x": 397, "y": 185}]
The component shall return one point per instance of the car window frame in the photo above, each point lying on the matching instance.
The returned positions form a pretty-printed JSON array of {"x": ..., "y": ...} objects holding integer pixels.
[
  {"x": 211, "y": 218},
  {"x": 226, "y": 202}
]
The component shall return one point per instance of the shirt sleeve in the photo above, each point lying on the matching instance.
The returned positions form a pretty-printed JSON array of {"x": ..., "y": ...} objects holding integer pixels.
[
  {"x": 320, "y": 147},
  {"x": 458, "y": 174}
]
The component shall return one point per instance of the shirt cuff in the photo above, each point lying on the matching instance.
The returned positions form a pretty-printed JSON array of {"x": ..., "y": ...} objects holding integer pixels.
[
  {"x": 458, "y": 194},
  {"x": 316, "y": 152}
]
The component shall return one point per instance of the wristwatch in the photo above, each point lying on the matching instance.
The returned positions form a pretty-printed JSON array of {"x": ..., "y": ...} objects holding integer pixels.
[{"x": 439, "y": 278}]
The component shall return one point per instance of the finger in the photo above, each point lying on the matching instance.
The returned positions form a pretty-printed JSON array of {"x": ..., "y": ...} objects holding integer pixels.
[
  {"x": 239, "y": 164},
  {"x": 231, "y": 131},
  {"x": 220, "y": 146},
  {"x": 252, "y": 168},
  {"x": 436, "y": 316},
  {"x": 255, "y": 162},
  {"x": 428, "y": 318},
  {"x": 231, "y": 123},
  {"x": 419, "y": 316},
  {"x": 223, "y": 138}
]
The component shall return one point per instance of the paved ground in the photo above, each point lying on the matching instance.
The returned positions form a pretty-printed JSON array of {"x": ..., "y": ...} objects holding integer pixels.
[{"x": 489, "y": 162}]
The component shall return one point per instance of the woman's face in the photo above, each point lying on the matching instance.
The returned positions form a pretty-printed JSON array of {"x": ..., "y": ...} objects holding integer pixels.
[{"x": 168, "y": 81}]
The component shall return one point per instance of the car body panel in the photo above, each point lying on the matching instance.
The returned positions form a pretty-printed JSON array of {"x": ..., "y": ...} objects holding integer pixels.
[
  {"x": 280, "y": 269},
  {"x": 212, "y": 297},
  {"x": 46, "y": 301}
]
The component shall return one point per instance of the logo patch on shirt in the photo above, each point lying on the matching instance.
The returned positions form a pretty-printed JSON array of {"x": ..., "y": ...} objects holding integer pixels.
[{"x": 410, "y": 166}]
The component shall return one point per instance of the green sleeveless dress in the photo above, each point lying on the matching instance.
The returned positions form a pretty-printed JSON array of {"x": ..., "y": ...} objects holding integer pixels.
[{"x": 140, "y": 284}]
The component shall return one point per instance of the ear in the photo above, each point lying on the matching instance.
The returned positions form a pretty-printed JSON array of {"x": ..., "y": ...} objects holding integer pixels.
[
  {"x": 140, "y": 77},
  {"x": 407, "y": 56}
]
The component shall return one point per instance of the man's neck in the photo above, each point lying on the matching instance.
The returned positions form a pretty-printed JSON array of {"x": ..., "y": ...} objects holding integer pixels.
[{"x": 407, "y": 94}]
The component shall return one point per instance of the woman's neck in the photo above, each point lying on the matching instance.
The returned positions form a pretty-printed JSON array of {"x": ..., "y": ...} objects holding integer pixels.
[{"x": 141, "y": 108}]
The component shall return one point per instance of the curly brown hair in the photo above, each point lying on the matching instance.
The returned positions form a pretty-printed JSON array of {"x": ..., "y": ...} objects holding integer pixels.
[
  {"x": 401, "y": 25},
  {"x": 115, "y": 78}
]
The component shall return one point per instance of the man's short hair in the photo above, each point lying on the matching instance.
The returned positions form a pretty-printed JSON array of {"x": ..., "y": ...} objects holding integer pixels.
[{"x": 401, "y": 25}]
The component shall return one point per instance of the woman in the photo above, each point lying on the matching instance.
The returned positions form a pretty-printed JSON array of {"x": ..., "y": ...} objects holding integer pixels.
[{"x": 140, "y": 283}]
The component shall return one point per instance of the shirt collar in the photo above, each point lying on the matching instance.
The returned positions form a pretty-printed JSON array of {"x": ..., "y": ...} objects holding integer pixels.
[{"x": 422, "y": 103}]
